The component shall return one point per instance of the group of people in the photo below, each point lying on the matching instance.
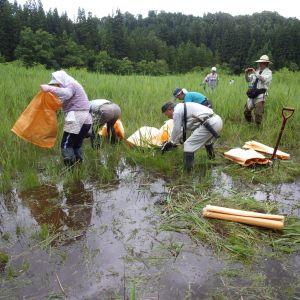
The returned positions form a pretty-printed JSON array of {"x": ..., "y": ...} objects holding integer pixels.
[
  {"x": 194, "y": 114},
  {"x": 80, "y": 115}
]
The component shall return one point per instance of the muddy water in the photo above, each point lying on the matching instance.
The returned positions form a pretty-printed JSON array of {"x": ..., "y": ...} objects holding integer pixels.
[
  {"x": 108, "y": 241},
  {"x": 286, "y": 196}
]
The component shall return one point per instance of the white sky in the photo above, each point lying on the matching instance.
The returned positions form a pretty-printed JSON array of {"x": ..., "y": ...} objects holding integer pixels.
[{"x": 286, "y": 8}]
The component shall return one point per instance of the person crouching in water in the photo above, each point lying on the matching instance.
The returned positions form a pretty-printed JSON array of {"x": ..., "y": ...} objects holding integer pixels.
[
  {"x": 78, "y": 120},
  {"x": 201, "y": 120},
  {"x": 104, "y": 112}
]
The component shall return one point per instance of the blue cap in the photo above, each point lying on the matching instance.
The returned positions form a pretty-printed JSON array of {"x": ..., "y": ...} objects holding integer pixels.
[{"x": 177, "y": 91}]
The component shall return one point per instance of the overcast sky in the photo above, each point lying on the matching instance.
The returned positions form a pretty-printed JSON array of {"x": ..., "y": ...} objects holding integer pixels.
[{"x": 286, "y": 8}]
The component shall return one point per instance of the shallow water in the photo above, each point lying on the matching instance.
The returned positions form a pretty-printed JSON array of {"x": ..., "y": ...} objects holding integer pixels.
[
  {"x": 285, "y": 195},
  {"x": 112, "y": 234},
  {"x": 109, "y": 242}
]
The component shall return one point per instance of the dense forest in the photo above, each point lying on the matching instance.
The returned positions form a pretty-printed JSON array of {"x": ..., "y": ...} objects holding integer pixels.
[{"x": 157, "y": 44}]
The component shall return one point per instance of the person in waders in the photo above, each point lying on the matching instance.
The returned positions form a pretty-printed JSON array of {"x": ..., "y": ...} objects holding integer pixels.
[
  {"x": 104, "y": 112},
  {"x": 185, "y": 96},
  {"x": 260, "y": 80},
  {"x": 78, "y": 120},
  {"x": 201, "y": 120}
]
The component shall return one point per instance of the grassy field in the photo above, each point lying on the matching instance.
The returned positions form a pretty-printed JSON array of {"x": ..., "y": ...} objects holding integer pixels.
[
  {"x": 140, "y": 98},
  {"x": 25, "y": 166}
]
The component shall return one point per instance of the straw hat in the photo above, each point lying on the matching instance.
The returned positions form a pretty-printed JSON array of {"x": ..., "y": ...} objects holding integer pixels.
[{"x": 264, "y": 58}]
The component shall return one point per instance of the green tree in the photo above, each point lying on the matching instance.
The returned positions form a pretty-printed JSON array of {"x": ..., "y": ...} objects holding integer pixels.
[{"x": 35, "y": 47}]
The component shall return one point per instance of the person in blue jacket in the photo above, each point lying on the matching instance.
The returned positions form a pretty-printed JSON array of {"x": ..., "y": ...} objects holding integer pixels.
[{"x": 183, "y": 94}]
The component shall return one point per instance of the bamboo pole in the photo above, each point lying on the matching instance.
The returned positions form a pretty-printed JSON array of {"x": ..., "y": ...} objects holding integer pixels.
[
  {"x": 273, "y": 224},
  {"x": 244, "y": 213}
]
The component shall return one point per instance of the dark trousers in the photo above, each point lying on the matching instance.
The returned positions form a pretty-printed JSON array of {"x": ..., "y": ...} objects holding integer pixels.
[{"x": 71, "y": 145}]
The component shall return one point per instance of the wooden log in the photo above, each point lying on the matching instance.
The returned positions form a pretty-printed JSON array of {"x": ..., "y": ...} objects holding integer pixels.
[
  {"x": 272, "y": 224},
  {"x": 244, "y": 213}
]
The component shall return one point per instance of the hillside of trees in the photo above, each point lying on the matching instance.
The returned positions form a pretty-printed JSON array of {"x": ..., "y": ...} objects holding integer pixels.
[{"x": 158, "y": 44}]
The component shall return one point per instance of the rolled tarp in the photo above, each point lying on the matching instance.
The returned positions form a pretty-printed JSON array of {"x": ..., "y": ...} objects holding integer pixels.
[
  {"x": 245, "y": 217},
  {"x": 265, "y": 149},
  {"x": 38, "y": 122},
  {"x": 246, "y": 157}
]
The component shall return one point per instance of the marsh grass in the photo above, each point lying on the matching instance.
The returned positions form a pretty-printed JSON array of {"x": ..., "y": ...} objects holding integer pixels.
[
  {"x": 140, "y": 98},
  {"x": 183, "y": 213}
]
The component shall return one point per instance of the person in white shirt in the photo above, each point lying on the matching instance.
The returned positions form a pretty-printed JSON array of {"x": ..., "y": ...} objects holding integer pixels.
[
  {"x": 260, "y": 81},
  {"x": 211, "y": 79},
  {"x": 201, "y": 120}
]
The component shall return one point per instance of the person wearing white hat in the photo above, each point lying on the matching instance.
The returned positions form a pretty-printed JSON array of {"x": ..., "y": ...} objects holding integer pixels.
[
  {"x": 211, "y": 79},
  {"x": 260, "y": 80}
]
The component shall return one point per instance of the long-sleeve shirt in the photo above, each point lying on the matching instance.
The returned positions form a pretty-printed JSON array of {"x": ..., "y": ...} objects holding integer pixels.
[
  {"x": 194, "y": 97},
  {"x": 75, "y": 102},
  {"x": 211, "y": 79},
  {"x": 265, "y": 78},
  {"x": 194, "y": 111}
]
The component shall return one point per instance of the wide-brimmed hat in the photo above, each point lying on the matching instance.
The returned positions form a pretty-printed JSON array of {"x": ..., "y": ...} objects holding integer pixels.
[{"x": 264, "y": 58}]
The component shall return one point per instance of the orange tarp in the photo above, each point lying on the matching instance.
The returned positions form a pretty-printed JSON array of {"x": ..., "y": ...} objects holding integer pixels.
[
  {"x": 118, "y": 127},
  {"x": 38, "y": 122}
]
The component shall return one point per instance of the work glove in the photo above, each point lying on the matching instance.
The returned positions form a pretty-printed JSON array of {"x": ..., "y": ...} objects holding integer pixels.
[{"x": 167, "y": 146}]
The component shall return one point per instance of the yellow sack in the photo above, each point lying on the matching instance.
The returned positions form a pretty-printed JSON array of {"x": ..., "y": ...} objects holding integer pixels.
[
  {"x": 118, "y": 127},
  {"x": 147, "y": 136},
  {"x": 38, "y": 122}
]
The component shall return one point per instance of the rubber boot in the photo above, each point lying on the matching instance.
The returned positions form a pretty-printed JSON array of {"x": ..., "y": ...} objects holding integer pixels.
[
  {"x": 247, "y": 114},
  {"x": 68, "y": 156},
  {"x": 210, "y": 151},
  {"x": 188, "y": 161},
  {"x": 78, "y": 155}
]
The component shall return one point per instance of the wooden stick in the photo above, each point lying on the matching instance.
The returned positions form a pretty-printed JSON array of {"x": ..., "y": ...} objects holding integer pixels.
[
  {"x": 60, "y": 285},
  {"x": 244, "y": 213},
  {"x": 246, "y": 220}
]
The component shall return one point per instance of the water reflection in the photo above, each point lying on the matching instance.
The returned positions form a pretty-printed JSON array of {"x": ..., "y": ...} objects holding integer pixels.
[
  {"x": 44, "y": 205},
  {"x": 79, "y": 204},
  {"x": 72, "y": 207}
]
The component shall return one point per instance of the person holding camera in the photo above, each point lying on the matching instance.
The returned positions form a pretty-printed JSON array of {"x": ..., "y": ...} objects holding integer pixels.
[{"x": 260, "y": 81}]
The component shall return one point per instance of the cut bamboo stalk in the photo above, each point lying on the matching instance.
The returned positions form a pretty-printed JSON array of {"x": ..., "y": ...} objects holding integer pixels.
[
  {"x": 244, "y": 213},
  {"x": 272, "y": 224}
]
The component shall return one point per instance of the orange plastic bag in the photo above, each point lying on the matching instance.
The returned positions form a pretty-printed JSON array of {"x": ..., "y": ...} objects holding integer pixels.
[
  {"x": 38, "y": 122},
  {"x": 118, "y": 127}
]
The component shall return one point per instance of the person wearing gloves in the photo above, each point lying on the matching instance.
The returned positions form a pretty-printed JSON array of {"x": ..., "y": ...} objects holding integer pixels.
[
  {"x": 260, "y": 81},
  {"x": 104, "y": 112},
  {"x": 183, "y": 94},
  {"x": 211, "y": 79},
  {"x": 201, "y": 120},
  {"x": 78, "y": 120}
]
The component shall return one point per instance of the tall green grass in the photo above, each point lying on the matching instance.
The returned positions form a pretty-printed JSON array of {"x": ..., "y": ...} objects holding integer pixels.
[{"x": 140, "y": 98}]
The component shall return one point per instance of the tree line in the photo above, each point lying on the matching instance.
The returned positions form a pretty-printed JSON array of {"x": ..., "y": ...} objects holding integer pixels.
[{"x": 158, "y": 44}]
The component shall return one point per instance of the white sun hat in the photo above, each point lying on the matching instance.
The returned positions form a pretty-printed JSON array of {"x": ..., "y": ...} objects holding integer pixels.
[
  {"x": 264, "y": 58},
  {"x": 214, "y": 69}
]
